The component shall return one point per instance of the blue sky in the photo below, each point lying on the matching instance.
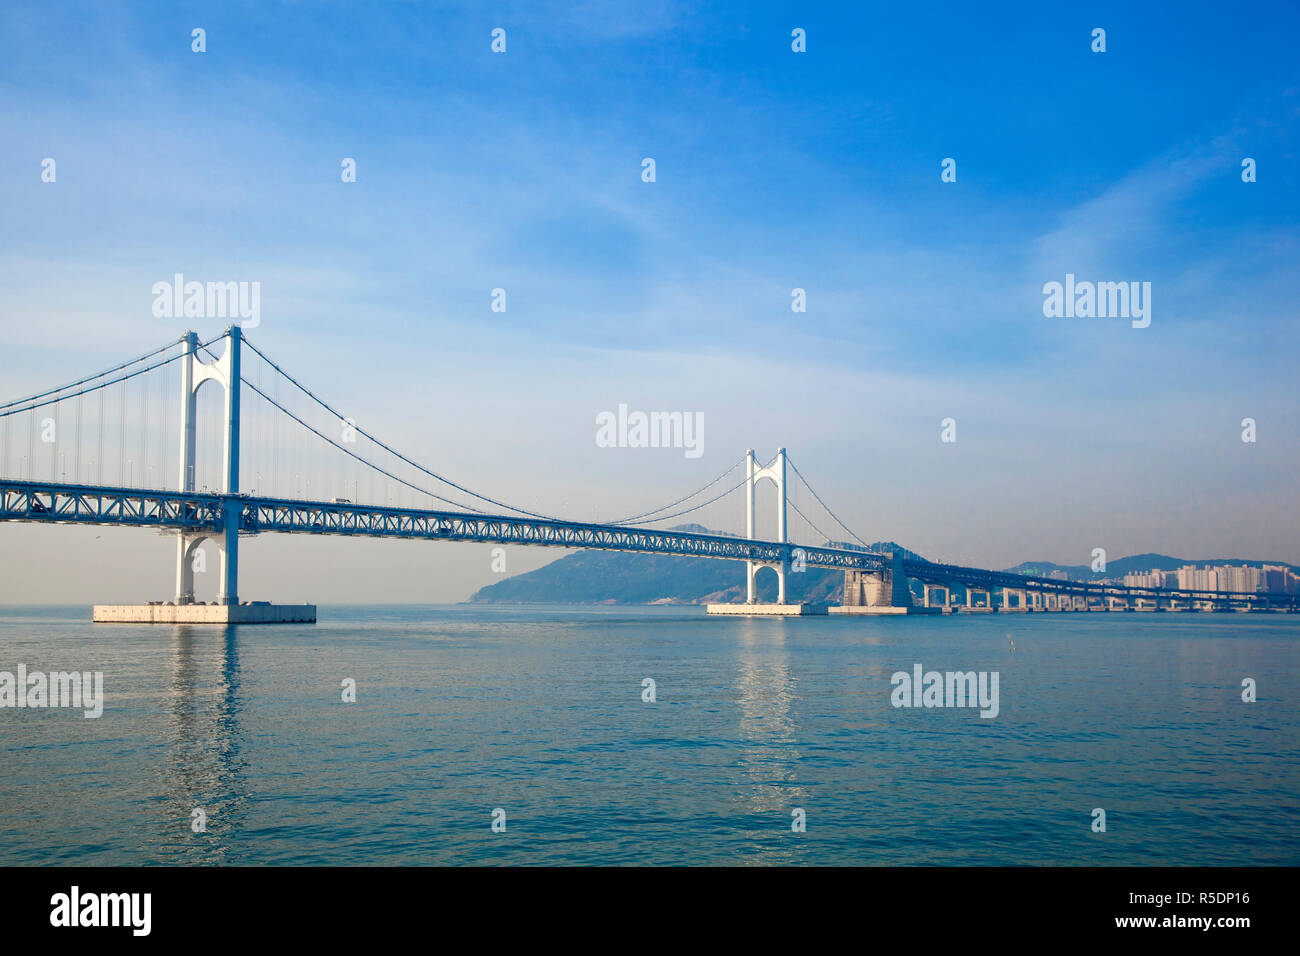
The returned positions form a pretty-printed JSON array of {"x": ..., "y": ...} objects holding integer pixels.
[{"x": 775, "y": 170}]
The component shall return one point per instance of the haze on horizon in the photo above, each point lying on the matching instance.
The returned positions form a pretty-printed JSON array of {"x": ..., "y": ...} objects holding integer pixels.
[{"x": 775, "y": 170}]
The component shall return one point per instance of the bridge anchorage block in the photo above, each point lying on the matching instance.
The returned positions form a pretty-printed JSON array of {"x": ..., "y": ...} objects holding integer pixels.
[{"x": 885, "y": 592}]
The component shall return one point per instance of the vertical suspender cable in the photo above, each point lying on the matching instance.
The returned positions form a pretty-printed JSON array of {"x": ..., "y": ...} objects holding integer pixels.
[
  {"x": 99, "y": 461},
  {"x": 162, "y": 426},
  {"x": 121, "y": 438},
  {"x": 144, "y": 434},
  {"x": 54, "y": 470},
  {"x": 76, "y": 460}
]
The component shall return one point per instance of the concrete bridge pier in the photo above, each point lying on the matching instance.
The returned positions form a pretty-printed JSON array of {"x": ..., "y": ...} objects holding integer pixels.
[
  {"x": 883, "y": 593},
  {"x": 947, "y": 594}
]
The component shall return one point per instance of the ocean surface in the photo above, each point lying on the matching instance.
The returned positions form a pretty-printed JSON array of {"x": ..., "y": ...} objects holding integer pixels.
[{"x": 538, "y": 712}]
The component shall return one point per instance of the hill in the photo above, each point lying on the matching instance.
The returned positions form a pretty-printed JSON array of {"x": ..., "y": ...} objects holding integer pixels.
[{"x": 614, "y": 577}]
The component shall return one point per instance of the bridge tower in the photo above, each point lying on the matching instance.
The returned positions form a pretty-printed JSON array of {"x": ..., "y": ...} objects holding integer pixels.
[
  {"x": 194, "y": 373},
  {"x": 227, "y": 608},
  {"x": 775, "y": 473}
]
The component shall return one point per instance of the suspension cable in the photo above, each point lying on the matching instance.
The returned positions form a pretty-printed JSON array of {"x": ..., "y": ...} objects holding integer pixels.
[
  {"x": 695, "y": 507},
  {"x": 424, "y": 491},
  {"x": 392, "y": 451},
  {"x": 810, "y": 521},
  {"x": 91, "y": 378},
  {"x": 673, "y": 504},
  {"x": 823, "y": 504},
  {"x": 6, "y": 410}
]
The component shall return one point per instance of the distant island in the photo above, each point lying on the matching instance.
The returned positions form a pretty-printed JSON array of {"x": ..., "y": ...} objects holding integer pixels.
[{"x": 614, "y": 577}]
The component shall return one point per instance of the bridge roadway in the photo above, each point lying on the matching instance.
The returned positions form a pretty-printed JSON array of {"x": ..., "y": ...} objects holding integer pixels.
[{"x": 194, "y": 511}]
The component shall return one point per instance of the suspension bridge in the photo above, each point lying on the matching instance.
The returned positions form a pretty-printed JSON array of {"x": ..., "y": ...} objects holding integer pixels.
[{"x": 98, "y": 451}]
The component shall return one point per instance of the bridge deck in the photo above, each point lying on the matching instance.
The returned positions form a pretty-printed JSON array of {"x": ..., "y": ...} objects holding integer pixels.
[{"x": 52, "y": 502}]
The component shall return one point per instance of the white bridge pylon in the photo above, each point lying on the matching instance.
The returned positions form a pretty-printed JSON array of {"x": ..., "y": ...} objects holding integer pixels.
[
  {"x": 775, "y": 472},
  {"x": 224, "y": 371}
]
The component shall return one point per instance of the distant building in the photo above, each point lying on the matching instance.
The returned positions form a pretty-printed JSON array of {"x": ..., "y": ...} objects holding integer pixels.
[
  {"x": 1147, "y": 579},
  {"x": 1192, "y": 578},
  {"x": 1278, "y": 577},
  {"x": 1239, "y": 578}
]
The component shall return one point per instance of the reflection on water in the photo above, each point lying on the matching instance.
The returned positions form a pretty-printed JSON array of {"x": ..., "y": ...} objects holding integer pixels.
[
  {"x": 204, "y": 769},
  {"x": 769, "y": 755}
]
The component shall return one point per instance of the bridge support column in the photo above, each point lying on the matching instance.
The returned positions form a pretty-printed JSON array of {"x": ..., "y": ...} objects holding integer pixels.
[
  {"x": 186, "y": 542},
  {"x": 194, "y": 373},
  {"x": 753, "y": 475},
  {"x": 933, "y": 602},
  {"x": 751, "y": 572},
  {"x": 232, "y": 509},
  {"x": 229, "y": 591}
]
